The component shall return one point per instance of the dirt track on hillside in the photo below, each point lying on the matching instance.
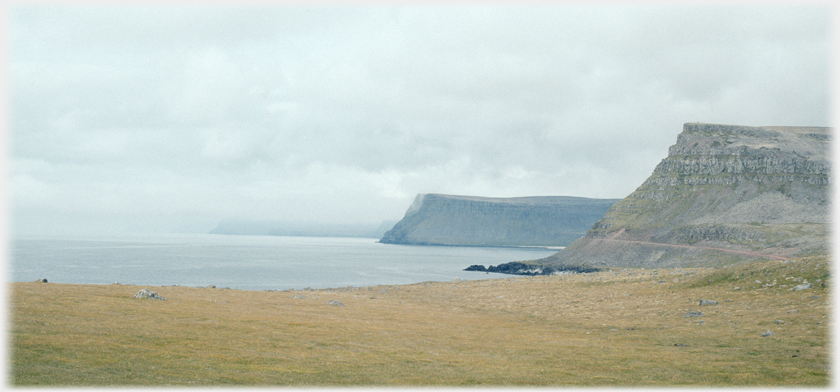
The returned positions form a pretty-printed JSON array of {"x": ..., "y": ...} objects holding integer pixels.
[{"x": 692, "y": 247}]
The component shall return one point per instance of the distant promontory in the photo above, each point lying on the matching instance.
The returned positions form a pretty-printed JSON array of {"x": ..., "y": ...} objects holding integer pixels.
[
  {"x": 435, "y": 219},
  {"x": 276, "y": 228}
]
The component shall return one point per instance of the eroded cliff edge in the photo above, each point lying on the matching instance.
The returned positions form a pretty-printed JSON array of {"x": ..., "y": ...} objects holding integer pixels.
[
  {"x": 435, "y": 219},
  {"x": 725, "y": 194}
]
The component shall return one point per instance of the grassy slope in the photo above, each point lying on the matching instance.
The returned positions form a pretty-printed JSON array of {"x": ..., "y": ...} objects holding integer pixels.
[{"x": 612, "y": 328}]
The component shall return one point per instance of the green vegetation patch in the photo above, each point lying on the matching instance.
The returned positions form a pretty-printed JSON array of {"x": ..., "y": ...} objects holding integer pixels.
[{"x": 786, "y": 274}]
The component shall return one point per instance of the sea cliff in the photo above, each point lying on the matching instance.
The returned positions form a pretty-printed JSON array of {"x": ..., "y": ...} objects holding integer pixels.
[
  {"x": 435, "y": 219},
  {"x": 724, "y": 195}
]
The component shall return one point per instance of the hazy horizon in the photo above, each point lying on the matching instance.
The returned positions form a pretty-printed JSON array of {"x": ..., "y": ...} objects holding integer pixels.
[{"x": 133, "y": 119}]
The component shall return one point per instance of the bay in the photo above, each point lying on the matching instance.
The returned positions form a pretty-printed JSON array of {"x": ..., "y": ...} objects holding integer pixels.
[{"x": 250, "y": 262}]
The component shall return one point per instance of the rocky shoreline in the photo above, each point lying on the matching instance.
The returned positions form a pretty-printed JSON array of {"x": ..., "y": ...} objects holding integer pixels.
[{"x": 517, "y": 268}]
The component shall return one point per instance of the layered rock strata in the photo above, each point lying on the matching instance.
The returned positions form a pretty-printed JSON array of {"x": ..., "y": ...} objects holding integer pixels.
[
  {"x": 725, "y": 194},
  {"x": 435, "y": 219}
]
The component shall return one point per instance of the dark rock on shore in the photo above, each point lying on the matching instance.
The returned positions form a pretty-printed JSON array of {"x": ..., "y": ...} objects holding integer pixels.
[
  {"x": 476, "y": 267},
  {"x": 517, "y": 268}
]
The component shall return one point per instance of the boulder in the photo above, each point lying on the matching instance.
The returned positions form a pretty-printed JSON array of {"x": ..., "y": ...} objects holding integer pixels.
[
  {"x": 146, "y": 293},
  {"x": 694, "y": 313},
  {"x": 704, "y": 302},
  {"x": 767, "y": 333},
  {"x": 42, "y": 280},
  {"x": 804, "y": 286}
]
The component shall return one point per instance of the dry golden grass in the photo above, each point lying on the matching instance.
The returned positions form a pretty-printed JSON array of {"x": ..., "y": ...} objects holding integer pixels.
[{"x": 612, "y": 328}]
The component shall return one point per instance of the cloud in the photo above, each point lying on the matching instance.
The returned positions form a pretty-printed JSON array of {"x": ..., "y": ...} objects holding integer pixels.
[{"x": 345, "y": 113}]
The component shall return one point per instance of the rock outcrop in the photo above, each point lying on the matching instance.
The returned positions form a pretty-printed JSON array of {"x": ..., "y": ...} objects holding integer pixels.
[
  {"x": 435, "y": 219},
  {"x": 515, "y": 268},
  {"x": 146, "y": 293},
  {"x": 724, "y": 195}
]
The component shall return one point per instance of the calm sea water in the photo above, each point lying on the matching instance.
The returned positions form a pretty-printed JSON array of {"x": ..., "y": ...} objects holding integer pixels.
[{"x": 249, "y": 262}]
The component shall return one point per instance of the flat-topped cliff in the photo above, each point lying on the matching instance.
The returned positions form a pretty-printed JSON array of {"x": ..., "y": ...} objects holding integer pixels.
[
  {"x": 435, "y": 219},
  {"x": 725, "y": 194}
]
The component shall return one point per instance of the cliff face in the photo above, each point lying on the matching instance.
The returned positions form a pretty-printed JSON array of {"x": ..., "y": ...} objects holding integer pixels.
[
  {"x": 435, "y": 219},
  {"x": 723, "y": 195}
]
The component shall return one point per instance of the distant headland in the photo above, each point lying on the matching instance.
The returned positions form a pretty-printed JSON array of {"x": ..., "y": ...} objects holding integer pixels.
[{"x": 435, "y": 219}]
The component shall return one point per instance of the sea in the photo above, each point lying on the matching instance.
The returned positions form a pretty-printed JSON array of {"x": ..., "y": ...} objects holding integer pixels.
[{"x": 249, "y": 262}]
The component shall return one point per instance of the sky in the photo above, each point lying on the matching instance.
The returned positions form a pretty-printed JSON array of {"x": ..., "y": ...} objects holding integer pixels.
[{"x": 124, "y": 119}]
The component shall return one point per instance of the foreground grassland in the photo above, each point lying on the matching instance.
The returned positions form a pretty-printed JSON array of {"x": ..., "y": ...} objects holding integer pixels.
[{"x": 624, "y": 327}]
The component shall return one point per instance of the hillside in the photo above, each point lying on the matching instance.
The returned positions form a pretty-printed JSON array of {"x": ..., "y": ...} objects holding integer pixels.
[
  {"x": 724, "y": 195},
  {"x": 435, "y": 219}
]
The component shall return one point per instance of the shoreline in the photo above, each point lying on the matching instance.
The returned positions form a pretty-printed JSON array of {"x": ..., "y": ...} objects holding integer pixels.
[
  {"x": 251, "y": 263},
  {"x": 331, "y": 288}
]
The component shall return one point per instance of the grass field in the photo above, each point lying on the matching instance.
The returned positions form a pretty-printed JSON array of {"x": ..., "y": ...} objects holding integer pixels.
[{"x": 623, "y": 327}]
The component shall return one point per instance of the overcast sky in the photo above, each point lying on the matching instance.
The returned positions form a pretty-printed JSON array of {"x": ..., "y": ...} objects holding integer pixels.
[{"x": 159, "y": 118}]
